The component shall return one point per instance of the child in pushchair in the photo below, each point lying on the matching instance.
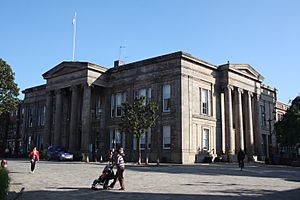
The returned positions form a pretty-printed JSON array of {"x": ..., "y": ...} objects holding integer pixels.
[{"x": 107, "y": 174}]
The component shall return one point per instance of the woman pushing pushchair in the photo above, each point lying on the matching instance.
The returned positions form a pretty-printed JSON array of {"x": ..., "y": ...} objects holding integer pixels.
[
  {"x": 116, "y": 159},
  {"x": 107, "y": 173}
]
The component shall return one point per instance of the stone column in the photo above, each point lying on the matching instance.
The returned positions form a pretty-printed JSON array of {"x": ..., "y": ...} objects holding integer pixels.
[
  {"x": 230, "y": 134},
  {"x": 258, "y": 136},
  {"x": 223, "y": 129},
  {"x": 48, "y": 120},
  {"x": 73, "y": 139},
  {"x": 240, "y": 119},
  {"x": 58, "y": 118},
  {"x": 85, "y": 118},
  {"x": 250, "y": 123}
]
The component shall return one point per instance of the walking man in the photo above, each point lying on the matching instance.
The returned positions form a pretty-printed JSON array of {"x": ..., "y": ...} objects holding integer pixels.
[{"x": 241, "y": 157}]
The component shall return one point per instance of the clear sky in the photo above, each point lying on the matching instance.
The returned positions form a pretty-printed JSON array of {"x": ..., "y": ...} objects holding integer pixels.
[{"x": 37, "y": 35}]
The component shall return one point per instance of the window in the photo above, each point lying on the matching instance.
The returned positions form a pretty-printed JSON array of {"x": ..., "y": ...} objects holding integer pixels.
[
  {"x": 143, "y": 140},
  {"x": 205, "y": 139},
  {"x": 116, "y": 104},
  {"x": 29, "y": 114},
  {"x": 117, "y": 139},
  {"x": 98, "y": 107},
  {"x": 166, "y": 137},
  {"x": 263, "y": 115},
  {"x": 112, "y": 105},
  {"x": 41, "y": 115},
  {"x": 145, "y": 92},
  {"x": 166, "y": 98},
  {"x": 119, "y": 104},
  {"x": 204, "y": 105}
]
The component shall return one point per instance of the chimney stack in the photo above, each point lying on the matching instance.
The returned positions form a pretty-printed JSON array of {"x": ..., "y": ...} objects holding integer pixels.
[{"x": 118, "y": 63}]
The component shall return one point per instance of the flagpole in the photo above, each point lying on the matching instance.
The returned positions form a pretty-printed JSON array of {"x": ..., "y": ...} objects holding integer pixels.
[{"x": 74, "y": 35}]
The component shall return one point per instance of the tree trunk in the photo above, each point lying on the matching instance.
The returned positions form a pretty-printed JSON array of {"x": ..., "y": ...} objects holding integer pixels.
[
  {"x": 139, "y": 150},
  {"x": 146, "y": 148}
]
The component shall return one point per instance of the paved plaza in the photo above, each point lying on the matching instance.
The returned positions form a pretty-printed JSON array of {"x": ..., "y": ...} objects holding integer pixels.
[{"x": 72, "y": 180}]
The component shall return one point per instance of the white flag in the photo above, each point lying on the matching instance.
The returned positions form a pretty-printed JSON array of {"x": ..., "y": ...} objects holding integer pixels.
[{"x": 74, "y": 19}]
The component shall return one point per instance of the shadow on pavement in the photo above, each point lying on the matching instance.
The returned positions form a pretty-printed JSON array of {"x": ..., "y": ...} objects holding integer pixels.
[
  {"x": 288, "y": 174},
  {"x": 86, "y": 193}
]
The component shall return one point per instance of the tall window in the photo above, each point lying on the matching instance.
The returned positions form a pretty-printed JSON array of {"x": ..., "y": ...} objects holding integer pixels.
[
  {"x": 143, "y": 140},
  {"x": 117, "y": 139},
  {"x": 205, "y": 139},
  {"x": 263, "y": 115},
  {"x": 166, "y": 137},
  {"x": 30, "y": 117},
  {"x": 116, "y": 104},
  {"x": 204, "y": 105},
  {"x": 145, "y": 92},
  {"x": 166, "y": 98},
  {"x": 41, "y": 115},
  {"x": 98, "y": 108}
]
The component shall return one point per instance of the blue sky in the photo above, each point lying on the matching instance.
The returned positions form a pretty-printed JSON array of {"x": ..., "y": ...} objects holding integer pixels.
[{"x": 37, "y": 35}]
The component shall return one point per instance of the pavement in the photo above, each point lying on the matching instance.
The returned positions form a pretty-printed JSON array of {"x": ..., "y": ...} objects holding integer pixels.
[{"x": 216, "y": 181}]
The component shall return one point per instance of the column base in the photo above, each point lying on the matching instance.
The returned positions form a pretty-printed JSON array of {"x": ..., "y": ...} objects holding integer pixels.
[{"x": 85, "y": 157}]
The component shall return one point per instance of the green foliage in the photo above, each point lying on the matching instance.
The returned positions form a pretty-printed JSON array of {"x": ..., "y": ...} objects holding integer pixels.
[
  {"x": 288, "y": 129},
  {"x": 138, "y": 117},
  {"x": 4, "y": 183},
  {"x": 8, "y": 88}
]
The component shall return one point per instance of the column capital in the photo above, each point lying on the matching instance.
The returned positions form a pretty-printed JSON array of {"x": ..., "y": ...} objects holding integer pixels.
[
  {"x": 58, "y": 91},
  {"x": 240, "y": 90},
  {"x": 85, "y": 85},
  {"x": 73, "y": 88},
  {"x": 250, "y": 94},
  {"x": 229, "y": 87}
]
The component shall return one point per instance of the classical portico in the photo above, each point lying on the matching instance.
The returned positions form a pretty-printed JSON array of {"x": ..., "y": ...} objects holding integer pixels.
[
  {"x": 239, "y": 97},
  {"x": 68, "y": 104}
]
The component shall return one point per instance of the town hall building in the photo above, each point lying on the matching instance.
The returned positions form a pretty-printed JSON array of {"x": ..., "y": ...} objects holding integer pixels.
[{"x": 203, "y": 109}]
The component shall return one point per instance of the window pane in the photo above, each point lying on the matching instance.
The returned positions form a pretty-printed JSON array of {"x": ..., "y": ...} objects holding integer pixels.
[
  {"x": 142, "y": 93},
  {"x": 166, "y": 98},
  {"x": 149, "y": 138},
  {"x": 119, "y": 97},
  {"x": 112, "y": 105},
  {"x": 205, "y": 140},
  {"x": 166, "y": 137},
  {"x": 204, "y": 101},
  {"x": 166, "y": 91}
]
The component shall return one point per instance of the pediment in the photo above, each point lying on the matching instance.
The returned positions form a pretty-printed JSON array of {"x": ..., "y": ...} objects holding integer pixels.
[
  {"x": 247, "y": 70},
  {"x": 64, "y": 68}
]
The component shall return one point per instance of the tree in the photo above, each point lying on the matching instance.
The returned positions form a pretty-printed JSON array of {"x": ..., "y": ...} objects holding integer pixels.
[
  {"x": 8, "y": 94},
  {"x": 8, "y": 88},
  {"x": 137, "y": 118},
  {"x": 288, "y": 129}
]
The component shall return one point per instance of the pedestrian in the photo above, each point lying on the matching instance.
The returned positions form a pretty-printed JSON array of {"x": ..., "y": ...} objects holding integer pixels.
[
  {"x": 3, "y": 163},
  {"x": 241, "y": 157},
  {"x": 119, "y": 162},
  {"x": 34, "y": 156}
]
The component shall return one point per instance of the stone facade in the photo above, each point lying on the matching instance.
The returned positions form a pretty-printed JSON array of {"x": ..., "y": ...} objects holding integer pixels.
[{"x": 204, "y": 109}]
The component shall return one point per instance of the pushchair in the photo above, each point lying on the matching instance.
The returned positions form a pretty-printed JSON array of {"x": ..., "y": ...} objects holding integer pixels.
[{"x": 107, "y": 174}]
